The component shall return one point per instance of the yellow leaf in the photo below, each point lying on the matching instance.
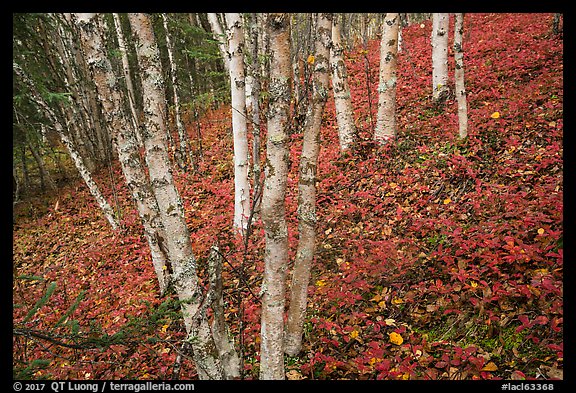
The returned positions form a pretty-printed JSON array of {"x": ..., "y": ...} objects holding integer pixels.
[
  {"x": 491, "y": 366},
  {"x": 310, "y": 59},
  {"x": 354, "y": 333},
  {"x": 447, "y": 201},
  {"x": 320, "y": 283},
  {"x": 164, "y": 328},
  {"x": 541, "y": 271},
  {"x": 473, "y": 284},
  {"x": 395, "y": 338},
  {"x": 495, "y": 115},
  {"x": 541, "y": 231},
  {"x": 397, "y": 300}
]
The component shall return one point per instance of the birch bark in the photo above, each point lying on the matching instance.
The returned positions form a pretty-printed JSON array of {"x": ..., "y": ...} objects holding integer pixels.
[
  {"x": 273, "y": 205},
  {"x": 342, "y": 101},
  {"x": 76, "y": 158},
  {"x": 127, "y": 76},
  {"x": 440, "y": 88},
  {"x": 128, "y": 148},
  {"x": 239, "y": 127},
  {"x": 307, "y": 187},
  {"x": 459, "y": 76},
  {"x": 183, "y": 158},
  {"x": 218, "y": 33},
  {"x": 177, "y": 240},
  {"x": 385, "y": 130}
]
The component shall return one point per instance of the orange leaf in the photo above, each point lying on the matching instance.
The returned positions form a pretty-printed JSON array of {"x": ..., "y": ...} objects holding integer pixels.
[
  {"x": 395, "y": 338},
  {"x": 495, "y": 115},
  {"x": 310, "y": 59},
  {"x": 491, "y": 366}
]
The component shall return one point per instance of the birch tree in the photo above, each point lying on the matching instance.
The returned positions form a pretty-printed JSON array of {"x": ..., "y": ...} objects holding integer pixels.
[
  {"x": 386, "y": 118},
  {"x": 239, "y": 127},
  {"x": 183, "y": 138},
  {"x": 440, "y": 88},
  {"x": 220, "y": 36},
  {"x": 253, "y": 99},
  {"x": 307, "y": 187},
  {"x": 273, "y": 205},
  {"x": 127, "y": 145},
  {"x": 70, "y": 146},
  {"x": 459, "y": 76},
  {"x": 341, "y": 90},
  {"x": 207, "y": 354},
  {"x": 127, "y": 75}
]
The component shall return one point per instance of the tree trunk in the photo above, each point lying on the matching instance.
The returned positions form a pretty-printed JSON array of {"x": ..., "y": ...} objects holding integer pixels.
[
  {"x": 128, "y": 148},
  {"x": 440, "y": 88},
  {"x": 342, "y": 101},
  {"x": 307, "y": 187},
  {"x": 177, "y": 239},
  {"x": 220, "y": 36},
  {"x": 252, "y": 103},
  {"x": 183, "y": 158},
  {"x": 24, "y": 164},
  {"x": 127, "y": 76},
  {"x": 273, "y": 205},
  {"x": 459, "y": 76},
  {"x": 76, "y": 158},
  {"x": 44, "y": 174},
  {"x": 386, "y": 119},
  {"x": 239, "y": 128}
]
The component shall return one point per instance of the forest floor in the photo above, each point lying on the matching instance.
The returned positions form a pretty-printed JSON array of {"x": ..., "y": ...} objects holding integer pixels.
[{"x": 436, "y": 258}]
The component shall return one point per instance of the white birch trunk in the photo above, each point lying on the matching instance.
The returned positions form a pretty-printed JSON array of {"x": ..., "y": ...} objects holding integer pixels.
[
  {"x": 183, "y": 138},
  {"x": 386, "y": 118},
  {"x": 253, "y": 97},
  {"x": 128, "y": 149},
  {"x": 342, "y": 100},
  {"x": 177, "y": 240},
  {"x": 127, "y": 76},
  {"x": 220, "y": 36},
  {"x": 273, "y": 205},
  {"x": 239, "y": 128},
  {"x": 459, "y": 76},
  {"x": 307, "y": 188},
  {"x": 440, "y": 88},
  {"x": 76, "y": 158}
]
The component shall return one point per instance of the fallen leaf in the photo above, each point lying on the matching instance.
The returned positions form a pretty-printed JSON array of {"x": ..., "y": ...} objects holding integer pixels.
[
  {"x": 495, "y": 115},
  {"x": 553, "y": 372},
  {"x": 517, "y": 375},
  {"x": 540, "y": 231},
  {"x": 491, "y": 366},
  {"x": 390, "y": 322},
  {"x": 447, "y": 201},
  {"x": 395, "y": 338},
  {"x": 294, "y": 375},
  {"x": 310, "y": 59}
]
